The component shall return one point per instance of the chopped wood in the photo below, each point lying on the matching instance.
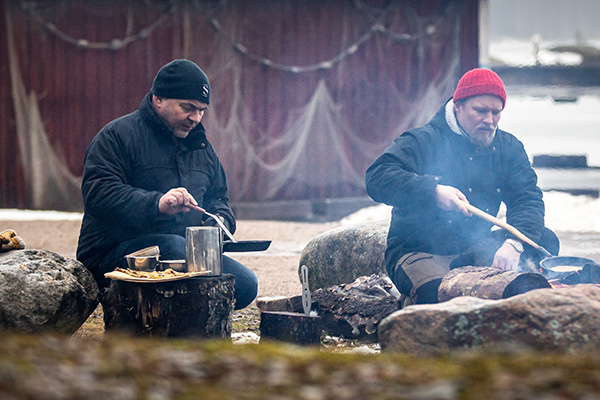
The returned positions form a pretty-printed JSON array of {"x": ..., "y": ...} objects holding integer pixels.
[
  {"x": 488, "y": 283},
  {"x": 355, "y": 310}
]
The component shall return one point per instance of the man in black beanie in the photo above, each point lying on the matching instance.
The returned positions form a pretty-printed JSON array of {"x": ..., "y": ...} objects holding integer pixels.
[{"x": 143, "y": 171}]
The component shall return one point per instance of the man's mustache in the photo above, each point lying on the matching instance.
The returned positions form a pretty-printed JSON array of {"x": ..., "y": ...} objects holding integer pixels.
[{"x": 486, "y": 127}]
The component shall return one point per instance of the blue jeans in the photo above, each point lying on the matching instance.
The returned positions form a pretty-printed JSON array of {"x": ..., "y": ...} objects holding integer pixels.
[{"x": 172, "y": 247}]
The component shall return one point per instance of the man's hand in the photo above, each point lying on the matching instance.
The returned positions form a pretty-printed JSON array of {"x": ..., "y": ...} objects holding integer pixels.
[
  {"x": 176, "y": 200},
  {"x": 451, "y": 199},
  {"x": 507, "y": 258}
]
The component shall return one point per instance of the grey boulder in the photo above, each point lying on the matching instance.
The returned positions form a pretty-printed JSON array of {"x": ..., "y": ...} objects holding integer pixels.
[
  {"x": 343, "y": 254},
  {"x": 43, "y": 291},
  {"x": 561, "y": 320}
]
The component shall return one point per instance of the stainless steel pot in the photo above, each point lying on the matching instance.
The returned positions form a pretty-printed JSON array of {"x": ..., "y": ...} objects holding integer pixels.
[{"x": 204, "y": 250}]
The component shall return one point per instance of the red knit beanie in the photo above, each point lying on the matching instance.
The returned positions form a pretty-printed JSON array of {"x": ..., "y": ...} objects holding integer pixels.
[{"x": 480, "y": 81}]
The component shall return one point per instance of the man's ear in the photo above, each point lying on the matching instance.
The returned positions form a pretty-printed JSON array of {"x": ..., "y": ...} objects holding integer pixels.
[{"x": 157, "y": 101}]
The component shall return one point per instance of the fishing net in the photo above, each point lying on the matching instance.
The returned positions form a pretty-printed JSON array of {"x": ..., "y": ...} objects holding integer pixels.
[
  {"x": 305, "y": 95},
  {"x": 50, "y": 184},
  {"x": 349, "y": 105}
]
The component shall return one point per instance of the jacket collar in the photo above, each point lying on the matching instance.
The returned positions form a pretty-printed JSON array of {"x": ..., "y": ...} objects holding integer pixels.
[
  {"x": 195, "y": 140},
  {"x": 446, "y": 114},
  {"x": 452, "y": 121}
]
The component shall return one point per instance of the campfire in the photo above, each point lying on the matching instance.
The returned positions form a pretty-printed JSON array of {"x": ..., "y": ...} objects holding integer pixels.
[{"x": 589, "y": 273}]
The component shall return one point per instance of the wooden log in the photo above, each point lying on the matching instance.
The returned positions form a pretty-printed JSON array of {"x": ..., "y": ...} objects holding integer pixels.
[
  {"x": 193, "y": 307},
  {"x": 290, "y": 327},
  {"x": 488, "y": 283},
  {"x": 280, "y": 303}
]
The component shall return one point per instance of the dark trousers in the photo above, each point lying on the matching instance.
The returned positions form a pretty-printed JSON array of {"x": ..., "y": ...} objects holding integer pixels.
[
  {"x": 172, "y": 247},
  {"x": 418, "y": 275}
]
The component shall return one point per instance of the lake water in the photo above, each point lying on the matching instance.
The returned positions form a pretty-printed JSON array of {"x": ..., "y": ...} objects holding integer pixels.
[{"x": 548, "y": 127}]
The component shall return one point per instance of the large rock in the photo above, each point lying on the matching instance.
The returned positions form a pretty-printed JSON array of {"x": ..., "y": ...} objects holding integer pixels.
[
  {"x": 343, "y": 254},
  {"x": 43, "y": 291},
  {"x": 564, "y": 320}
]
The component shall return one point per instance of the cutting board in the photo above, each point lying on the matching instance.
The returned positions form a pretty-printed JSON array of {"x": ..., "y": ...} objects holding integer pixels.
[{"x": 121, "y": 276}]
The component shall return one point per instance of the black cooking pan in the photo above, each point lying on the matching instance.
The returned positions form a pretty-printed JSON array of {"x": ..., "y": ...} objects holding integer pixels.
[
  {"x": 550, "y": 262},
  {"x": 565, "y": 265},
  {"x": 245, "y": 245}
]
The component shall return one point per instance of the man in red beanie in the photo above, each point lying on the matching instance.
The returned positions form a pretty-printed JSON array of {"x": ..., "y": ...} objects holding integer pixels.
[{"x": 429, "y": 174}]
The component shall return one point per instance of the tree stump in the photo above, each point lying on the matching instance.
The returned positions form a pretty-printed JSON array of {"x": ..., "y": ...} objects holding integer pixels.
[
  {"x": 488, "y": 283},
  {"x": 290, "y": 327},
  {"x": 193, "y": 307}
]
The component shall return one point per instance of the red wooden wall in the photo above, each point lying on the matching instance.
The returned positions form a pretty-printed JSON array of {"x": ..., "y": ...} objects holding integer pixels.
[{"x": 80, "y": 88}]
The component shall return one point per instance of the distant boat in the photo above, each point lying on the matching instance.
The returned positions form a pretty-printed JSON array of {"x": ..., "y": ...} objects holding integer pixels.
[
  {"x": 564, "y": 83},
  {"x": 590, "y": 54}
]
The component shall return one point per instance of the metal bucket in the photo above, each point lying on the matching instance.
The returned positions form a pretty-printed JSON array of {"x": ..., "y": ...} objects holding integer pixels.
[{"x": 204, "y": 249}]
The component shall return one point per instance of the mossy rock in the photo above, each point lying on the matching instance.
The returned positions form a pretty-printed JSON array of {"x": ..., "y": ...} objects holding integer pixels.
[{"x": 43, "y": 366}]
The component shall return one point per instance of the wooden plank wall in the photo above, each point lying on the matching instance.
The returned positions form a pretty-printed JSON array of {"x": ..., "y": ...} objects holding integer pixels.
[{"x": 81, "y": 88}]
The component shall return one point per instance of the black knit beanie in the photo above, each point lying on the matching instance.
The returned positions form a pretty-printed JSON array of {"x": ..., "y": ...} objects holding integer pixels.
[{"x": 182, "y": 79}]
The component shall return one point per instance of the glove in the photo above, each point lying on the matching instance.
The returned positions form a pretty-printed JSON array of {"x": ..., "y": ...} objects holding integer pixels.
[{"x": 10, "y": 241}]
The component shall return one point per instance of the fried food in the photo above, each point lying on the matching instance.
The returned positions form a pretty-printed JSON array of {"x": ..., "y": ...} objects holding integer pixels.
[
  {"x": 167, "y": 273},
  {"x": 566, "y": 268}
]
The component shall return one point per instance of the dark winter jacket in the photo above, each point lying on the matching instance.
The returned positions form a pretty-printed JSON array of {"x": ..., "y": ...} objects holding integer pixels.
[
  {"x": 406, "y": 174},
  {"x": 129, "y": 165}
]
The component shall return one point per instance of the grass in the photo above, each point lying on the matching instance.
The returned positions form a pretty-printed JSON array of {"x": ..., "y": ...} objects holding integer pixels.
[{"x": 246, "y": 320}]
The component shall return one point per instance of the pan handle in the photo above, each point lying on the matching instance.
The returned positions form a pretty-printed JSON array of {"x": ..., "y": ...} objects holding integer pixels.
[
  {"x": 498, "y": 222},
  {"x": 217, "y": 220}
]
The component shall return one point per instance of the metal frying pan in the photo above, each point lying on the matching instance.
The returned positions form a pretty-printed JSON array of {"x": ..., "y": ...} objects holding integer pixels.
[
  {"x": 235, "y": 245},
  {"x": 246, "y": 245},
  {"x": 550, "y": 262},
  {"x": 561, "y": 266}
]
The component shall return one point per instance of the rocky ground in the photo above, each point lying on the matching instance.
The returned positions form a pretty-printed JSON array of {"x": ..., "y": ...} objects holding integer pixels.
[{"x": 276, "y": 268}]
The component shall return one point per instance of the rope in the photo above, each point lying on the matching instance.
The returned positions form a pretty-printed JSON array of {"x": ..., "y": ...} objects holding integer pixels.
[
  {"x": 114, "y": 44},
  {"x": 376, "y": 27}
]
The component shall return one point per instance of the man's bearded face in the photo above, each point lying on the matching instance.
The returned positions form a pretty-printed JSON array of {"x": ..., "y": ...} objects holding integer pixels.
[{"x": 479, "y": 117}]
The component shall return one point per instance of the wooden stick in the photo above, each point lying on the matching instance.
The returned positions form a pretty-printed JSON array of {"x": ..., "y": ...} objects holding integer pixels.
[{"x": 498, "y": 222}]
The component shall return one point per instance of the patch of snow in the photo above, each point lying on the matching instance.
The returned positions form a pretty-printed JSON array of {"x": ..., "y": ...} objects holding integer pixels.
[
  {"x": 13, "y": 214},
  {"x": 245, "y": 338}
]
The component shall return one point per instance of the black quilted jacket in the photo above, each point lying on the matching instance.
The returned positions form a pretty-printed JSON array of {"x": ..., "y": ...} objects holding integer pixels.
[
  {"x": 129, "y": 165},
  {"x": 406, "y": 174}
]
